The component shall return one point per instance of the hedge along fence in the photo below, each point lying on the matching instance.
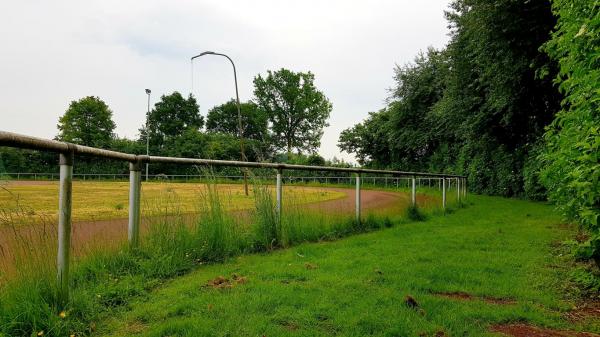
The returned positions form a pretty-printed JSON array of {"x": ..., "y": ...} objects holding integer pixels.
[{"x": 67, "y": 152}]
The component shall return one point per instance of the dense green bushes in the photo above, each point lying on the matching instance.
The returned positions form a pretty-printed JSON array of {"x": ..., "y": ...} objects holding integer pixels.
[
  {"x": 571, "y": 170},
  {"x": 481, "y": 107},
  {"x": 478, "y": 107}
]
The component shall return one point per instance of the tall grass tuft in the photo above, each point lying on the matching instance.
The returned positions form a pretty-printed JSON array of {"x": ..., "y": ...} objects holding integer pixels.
[
  {"x": 216, "y": 230},
  {"x": 267, "y": 231},
  {"x": 414, "y": 213},
  {"x": 27, "y": 264}
]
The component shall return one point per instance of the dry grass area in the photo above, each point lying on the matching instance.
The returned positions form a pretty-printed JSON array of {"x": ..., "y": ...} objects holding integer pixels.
[{"x": 110, "y": 200}]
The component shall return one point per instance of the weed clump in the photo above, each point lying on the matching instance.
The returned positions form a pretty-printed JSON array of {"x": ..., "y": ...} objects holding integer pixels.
[
  {"x": 414, "y": 213},
  {"x": 267, "y": 231}
]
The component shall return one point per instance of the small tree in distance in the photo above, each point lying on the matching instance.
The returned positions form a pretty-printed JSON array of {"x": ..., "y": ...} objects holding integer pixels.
[
  {"x": 171, "y": 117},
  {"x": 87, "y": 121}
]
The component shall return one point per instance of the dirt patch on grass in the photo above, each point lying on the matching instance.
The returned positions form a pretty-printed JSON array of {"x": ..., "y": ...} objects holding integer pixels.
[
  {"x": 526, "y": 330},
  {"x": 584, "y": 311},
  {"x": 310, "y": 266},
  {"x": 221, "y": 282},
  {"x": 463, "y": 296},
  {"x": 135, "y": 327}
]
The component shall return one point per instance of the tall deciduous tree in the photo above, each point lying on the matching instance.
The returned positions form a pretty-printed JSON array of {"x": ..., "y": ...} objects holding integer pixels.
[
  {"x": 296, "y": 109},
  {"x": 478, "y": 108},
  {"x": 171, "y": 117},
  {"x": 224, "y": 118},
  {"x": 87, "y": 121}
]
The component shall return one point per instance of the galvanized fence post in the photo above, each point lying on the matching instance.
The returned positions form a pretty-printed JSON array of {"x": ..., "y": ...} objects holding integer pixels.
[
  {"x": 133, "y": 229},
  {"x": 65, "y": 194},
  {"x": 443, "y": 180},
  {"x": 413, "y": 195},
  {"x": 458, "y": 190},
  {"x": 358, "y": 219},
  {"x": 278, "y": 195}
]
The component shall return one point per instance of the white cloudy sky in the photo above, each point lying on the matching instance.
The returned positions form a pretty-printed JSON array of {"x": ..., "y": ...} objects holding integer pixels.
[{"x": 52, "y": 52}]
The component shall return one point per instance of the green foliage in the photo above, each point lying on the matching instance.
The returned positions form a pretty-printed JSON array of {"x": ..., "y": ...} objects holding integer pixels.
[
  {"x": 87, "y": 121},
  {"x": 414, "y": 213},
  {"x": 571, "y": 169},
  {"x": 475, "y": 108},
  {"x": 224, "y": 119},
  {"x": 587, "y": 282},
  {"x": 532, "y": 185},
  {"x": 369, "y": 140},
  {"x": 171, "y": 117},
  {"x": 296, "y": 109}
]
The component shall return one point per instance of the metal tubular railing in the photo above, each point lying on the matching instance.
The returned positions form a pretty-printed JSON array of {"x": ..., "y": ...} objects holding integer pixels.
[{"x": 67, "y": 151}]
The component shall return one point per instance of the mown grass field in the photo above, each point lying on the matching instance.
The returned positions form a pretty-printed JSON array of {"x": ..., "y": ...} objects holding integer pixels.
[
  {"x": 103, "y": 200},
  {"x": 504, "y": 253}
]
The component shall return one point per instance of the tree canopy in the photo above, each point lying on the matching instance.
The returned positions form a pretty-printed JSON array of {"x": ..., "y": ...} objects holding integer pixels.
[
  {"x": 87, "y": 121},
  {"x": 224, "y": 118},
  {"x": 478, "y": 107},
  {"x": 296, "y": 109},
  {"x": 171, "y": 117}
]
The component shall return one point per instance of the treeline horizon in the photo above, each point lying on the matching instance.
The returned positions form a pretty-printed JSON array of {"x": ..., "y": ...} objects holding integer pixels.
[{"x": 273, "y": 130}]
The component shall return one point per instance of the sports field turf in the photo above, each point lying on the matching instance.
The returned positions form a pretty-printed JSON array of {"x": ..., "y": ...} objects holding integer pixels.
[{"x": 110, "y": 200}]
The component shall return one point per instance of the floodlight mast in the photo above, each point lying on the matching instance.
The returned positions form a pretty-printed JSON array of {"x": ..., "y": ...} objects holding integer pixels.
[
  {"x": 239, "y": 112},
  {"x": 148, "y": 91}
]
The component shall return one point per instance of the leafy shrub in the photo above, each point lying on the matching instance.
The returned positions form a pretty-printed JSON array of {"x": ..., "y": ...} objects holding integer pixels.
[
  {"x": 571, "y": 168},
  {"x": 533, "y": 187}
]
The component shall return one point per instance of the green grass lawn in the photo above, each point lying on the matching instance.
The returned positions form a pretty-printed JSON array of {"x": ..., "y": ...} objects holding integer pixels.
[{"x": 495, "y": 248}]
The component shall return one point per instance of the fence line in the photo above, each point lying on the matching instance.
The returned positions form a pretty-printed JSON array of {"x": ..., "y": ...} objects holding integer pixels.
[
  {"x": 374, "y": 180},
  {"x": 67, "y": 152}
]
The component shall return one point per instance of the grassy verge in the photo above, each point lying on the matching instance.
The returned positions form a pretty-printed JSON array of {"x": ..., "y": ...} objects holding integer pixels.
[
  {"x": 500, "y": 252},
  {"x": 105, "y": 281}
]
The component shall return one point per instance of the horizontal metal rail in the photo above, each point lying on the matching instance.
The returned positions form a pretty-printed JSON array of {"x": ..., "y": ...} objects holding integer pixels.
[
  {"x": 34, "y": 143},
  {"x": 66, "y": 162},
  {"x": 332, "y": 179}
]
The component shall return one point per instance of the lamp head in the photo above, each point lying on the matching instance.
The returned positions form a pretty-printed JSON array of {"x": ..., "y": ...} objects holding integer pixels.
[
  {"x": 204, "y": 53},
  {"x": 148, "y": 91}
]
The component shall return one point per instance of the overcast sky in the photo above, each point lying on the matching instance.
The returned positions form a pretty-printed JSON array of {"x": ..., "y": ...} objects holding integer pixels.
[{"x": 53, "y": 52}]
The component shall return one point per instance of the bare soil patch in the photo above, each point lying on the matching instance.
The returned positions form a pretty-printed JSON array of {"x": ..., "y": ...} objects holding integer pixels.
[
  {"x": 221, "y": 282},
  {"x": 526, "y": 330},
  {"x": 463, "y": 296},
  {"x": 584, "y": 311}
]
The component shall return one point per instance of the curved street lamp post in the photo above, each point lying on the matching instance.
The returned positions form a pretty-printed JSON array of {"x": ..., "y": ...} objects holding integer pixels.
[{"x": 237, "y": 98}]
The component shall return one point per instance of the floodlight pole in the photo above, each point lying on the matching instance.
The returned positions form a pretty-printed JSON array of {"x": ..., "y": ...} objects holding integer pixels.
[
  {"x": 239, "y": 111},
  {"x": 148, "y": 91}
]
